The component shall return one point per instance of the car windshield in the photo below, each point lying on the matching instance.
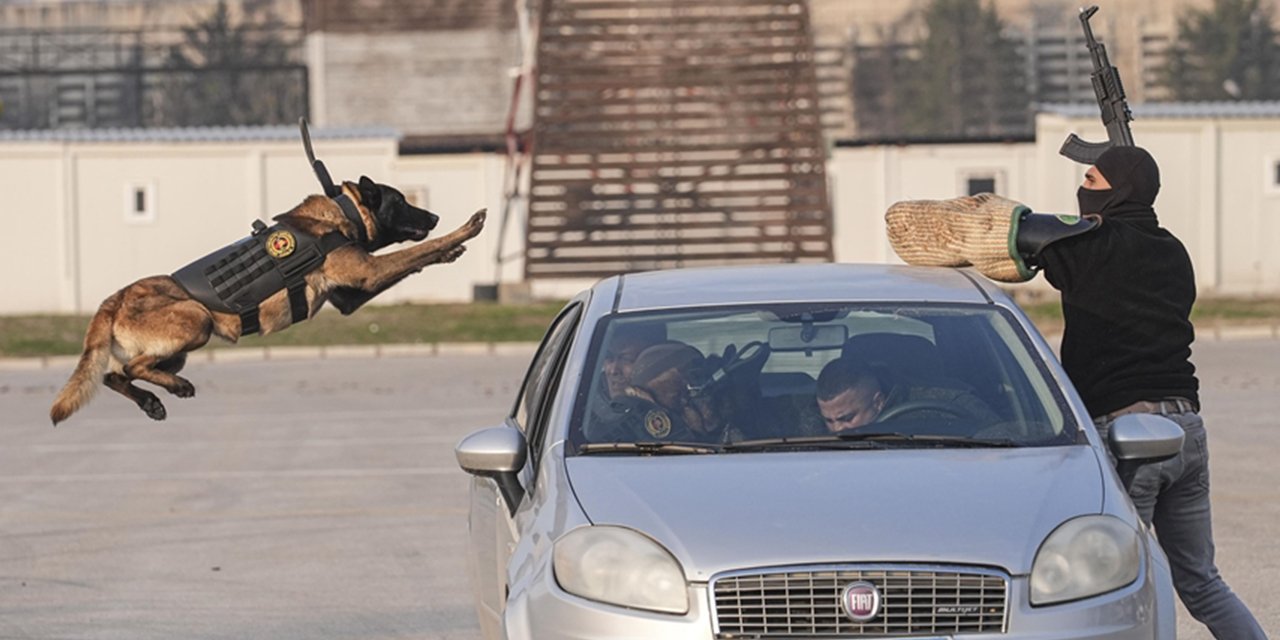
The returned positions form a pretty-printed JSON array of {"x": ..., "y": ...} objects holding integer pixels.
[{"x": 851, "y": 376}]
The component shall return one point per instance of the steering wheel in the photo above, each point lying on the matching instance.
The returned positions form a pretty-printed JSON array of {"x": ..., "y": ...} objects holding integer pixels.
[{"x": 914, "y": 406}]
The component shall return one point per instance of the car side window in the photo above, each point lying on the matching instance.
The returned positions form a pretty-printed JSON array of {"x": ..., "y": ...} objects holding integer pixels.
[
  {"x": 537, "y": 431},
  {"x": 532, "y": 392}
]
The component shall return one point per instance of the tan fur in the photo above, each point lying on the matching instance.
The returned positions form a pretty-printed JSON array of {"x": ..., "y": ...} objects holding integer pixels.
[
  {"x": 145, "y": 330},
  {"x": 93, "y": 362}
]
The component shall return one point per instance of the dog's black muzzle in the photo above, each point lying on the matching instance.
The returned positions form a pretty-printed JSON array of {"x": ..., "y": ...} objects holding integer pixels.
[{"x": 422, "y": 223}]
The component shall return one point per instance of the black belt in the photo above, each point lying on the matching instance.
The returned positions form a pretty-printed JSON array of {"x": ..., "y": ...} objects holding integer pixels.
[{"x": 1164, "y": 406}]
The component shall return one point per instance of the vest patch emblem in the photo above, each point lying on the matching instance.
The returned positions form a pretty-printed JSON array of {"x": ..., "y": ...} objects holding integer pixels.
[
  {"x": 657, "y": 423},
  {"x": 280, "y": 244}
]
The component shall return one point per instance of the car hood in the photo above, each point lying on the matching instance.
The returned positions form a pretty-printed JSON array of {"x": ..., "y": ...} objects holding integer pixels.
[{"x": 734, "y": 511}]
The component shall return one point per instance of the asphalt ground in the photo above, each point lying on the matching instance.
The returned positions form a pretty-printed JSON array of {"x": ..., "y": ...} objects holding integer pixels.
[{"x": 319, "y": 499}]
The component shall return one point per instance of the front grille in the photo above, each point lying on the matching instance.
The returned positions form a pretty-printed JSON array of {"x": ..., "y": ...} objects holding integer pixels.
[{"x": 805, "y": 602}]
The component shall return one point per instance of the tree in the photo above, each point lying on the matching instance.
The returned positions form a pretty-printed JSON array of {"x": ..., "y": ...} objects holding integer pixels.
[
  {"x": 964, "y": 78},
  {"x": 224, "y": 73},
  {"x": 879, "y": 76},
  {"x": 969, "y": 79},
  {"x": 1226, "y": 52}
]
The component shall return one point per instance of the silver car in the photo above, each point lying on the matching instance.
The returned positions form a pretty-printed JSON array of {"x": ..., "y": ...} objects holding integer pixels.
[{"x": 667, "y": 470}]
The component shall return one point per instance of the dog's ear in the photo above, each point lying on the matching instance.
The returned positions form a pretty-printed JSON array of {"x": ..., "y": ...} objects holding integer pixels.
[{"x": 370, "y": 194}]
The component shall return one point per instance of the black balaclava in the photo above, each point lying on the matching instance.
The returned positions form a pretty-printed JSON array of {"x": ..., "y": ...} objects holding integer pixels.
[{"x": 1135, "y": 181}]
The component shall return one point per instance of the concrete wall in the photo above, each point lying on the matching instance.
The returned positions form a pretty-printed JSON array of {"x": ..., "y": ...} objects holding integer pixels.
[
  {"x": 72, "y": 235},
  {"x": 1220, "y": 190},
  {"x": 37, "y": 244},
  {"x": 1249, "y": 208},
  {"x": 866, "y": 180},
  {"x": 454, "y": 187}
]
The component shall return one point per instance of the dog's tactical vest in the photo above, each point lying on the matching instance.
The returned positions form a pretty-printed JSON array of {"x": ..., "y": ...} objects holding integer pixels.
[{"x": 240, "y": 276}]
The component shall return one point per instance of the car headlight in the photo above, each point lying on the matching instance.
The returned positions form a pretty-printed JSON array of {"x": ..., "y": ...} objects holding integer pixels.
[
  {"x": 621, "y": 567},
  {"x": 1085, "y": 557}
]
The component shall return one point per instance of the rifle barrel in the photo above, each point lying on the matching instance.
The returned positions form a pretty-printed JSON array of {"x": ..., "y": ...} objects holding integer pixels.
[{"x": 1088, "y": 29}]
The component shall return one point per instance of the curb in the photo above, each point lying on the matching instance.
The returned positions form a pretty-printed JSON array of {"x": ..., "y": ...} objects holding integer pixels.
[
  {"x": 331, "y": 352},
  {"x": 526, "y": 349},
  {"x": 1216, "y": 333}
]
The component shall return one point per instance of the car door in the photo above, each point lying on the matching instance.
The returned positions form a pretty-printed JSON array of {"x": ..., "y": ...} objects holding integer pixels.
[{"x": 492, "y": 529}]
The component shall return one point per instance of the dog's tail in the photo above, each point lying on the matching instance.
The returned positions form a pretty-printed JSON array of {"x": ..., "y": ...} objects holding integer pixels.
[{"x": 93, "y": 362}]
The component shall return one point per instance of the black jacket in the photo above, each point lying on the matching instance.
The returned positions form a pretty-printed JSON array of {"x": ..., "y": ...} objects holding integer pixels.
[{"x": 1127, "y": 292}]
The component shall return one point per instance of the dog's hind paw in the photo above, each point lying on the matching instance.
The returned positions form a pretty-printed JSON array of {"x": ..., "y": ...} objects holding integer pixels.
[{"x": 153, "y": 407}]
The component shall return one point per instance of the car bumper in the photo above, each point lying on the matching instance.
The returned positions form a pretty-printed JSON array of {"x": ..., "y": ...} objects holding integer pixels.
[{"x": 543, "y": 611}]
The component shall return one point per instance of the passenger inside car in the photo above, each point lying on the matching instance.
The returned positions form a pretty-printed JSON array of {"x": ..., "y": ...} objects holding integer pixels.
[
  {"x": 617, "y": 361},
  {"x": 658, "y": 403}
]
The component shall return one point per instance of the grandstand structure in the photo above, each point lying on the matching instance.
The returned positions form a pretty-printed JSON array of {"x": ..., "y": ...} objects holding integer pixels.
[{"x": 670, "y": 133}]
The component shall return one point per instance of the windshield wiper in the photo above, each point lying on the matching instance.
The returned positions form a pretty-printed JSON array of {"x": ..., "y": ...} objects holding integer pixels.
[
  {"x": 650, "y": 448},
  {"x": 801, "y": 442},
  {"x": 870, "y": 440},
  {"x": 927, "y": 439}
]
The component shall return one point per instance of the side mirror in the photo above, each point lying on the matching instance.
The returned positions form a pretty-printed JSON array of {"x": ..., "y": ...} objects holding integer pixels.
[
  {"x": 498, "y": 453},
  {"x": 1145, "y": 438}
]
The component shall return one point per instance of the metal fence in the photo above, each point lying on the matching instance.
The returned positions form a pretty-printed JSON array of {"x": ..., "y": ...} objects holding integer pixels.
[{"x": 97, "y": 78}]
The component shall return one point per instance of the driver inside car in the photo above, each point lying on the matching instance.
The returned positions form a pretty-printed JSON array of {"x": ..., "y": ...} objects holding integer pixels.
[{"x": 852, "y": 394}]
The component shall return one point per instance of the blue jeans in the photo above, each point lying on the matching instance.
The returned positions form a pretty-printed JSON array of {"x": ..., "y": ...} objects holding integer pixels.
[{"x": 1173, "y": 496}]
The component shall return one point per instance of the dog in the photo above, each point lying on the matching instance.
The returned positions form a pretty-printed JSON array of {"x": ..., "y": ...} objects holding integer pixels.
[{"x": 145, "y": 330}]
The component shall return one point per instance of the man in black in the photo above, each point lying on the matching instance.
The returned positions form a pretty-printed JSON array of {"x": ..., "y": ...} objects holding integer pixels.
[{"x": 1127, "y": 289}]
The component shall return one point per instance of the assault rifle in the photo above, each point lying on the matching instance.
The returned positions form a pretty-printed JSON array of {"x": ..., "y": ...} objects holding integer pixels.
[{"x": 1115, "y": 111}]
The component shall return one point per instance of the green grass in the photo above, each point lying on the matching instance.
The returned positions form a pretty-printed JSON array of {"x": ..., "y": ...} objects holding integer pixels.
[
  {"x": 1237, "y": 310},
  {"x": 1047, "y": 316},
  {"x": 46, "y": 335},
  {"x": 1208, "y": 312},
  {"x": 22, "y": 336}
]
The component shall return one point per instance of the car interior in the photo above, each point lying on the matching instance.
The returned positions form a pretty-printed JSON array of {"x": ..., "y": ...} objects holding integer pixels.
[{"x": 968, "y": 373}]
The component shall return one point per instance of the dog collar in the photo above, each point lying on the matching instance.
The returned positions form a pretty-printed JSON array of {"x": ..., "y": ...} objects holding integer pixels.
[
  {"x": 332, "y": 190},
  {"x": 352, "y": 213}
]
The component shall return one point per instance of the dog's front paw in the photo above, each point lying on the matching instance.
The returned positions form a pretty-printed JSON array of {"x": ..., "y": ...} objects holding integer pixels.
[
  {"x": 452, "y": 254},
  {"x": 476, "y": 223}
]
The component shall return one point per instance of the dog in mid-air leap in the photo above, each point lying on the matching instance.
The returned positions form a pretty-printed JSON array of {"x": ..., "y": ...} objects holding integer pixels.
[{"x": 321, "y": 250}]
